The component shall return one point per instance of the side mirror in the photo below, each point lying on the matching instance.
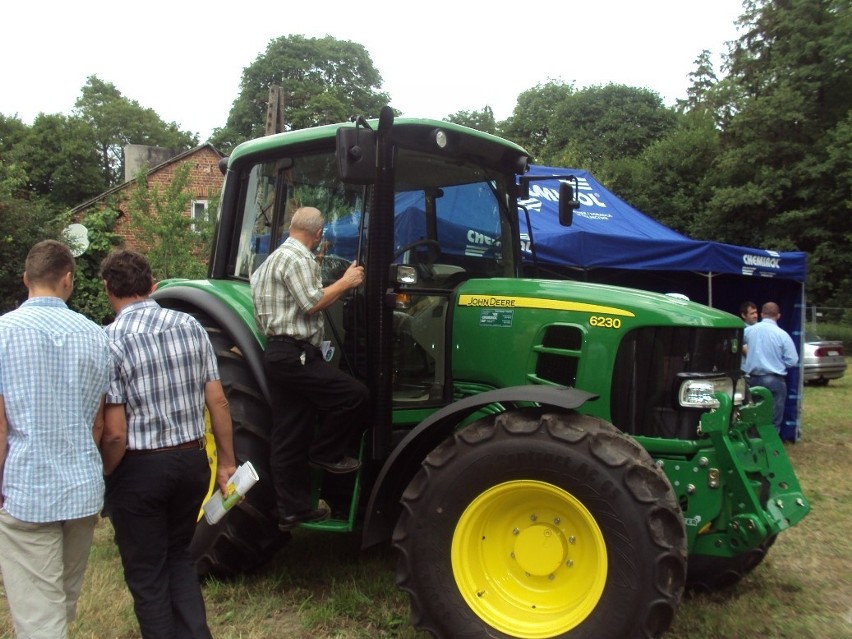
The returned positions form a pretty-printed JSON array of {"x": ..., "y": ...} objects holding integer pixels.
[
  {"x": 568, "y": 203},
  {"x": 356, "y": 153}
]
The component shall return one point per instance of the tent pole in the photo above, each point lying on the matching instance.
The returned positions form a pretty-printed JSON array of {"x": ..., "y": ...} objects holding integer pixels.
[{"x": 710, "y": 289}]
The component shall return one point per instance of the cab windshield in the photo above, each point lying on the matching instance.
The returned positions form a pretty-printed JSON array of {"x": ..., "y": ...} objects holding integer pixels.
[{"x": 450, "y": 219}]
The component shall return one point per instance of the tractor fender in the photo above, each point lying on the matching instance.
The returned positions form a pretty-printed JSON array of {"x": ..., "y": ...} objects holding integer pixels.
[
  {"x": 405, "y": 459},
  {"x": 227, "y": 319}
]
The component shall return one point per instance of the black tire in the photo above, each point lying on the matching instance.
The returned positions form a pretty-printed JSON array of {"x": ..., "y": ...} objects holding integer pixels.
[
  {"x": 535, "y": 524},
  {"x": 708, "y": 574},
  {"x": 248, "y": 536}
]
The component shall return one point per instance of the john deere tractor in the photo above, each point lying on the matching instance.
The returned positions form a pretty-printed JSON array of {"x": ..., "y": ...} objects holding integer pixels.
[{"x": 550, "y": 458}]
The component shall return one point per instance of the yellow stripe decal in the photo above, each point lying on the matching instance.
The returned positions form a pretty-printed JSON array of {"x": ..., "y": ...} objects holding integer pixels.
[{"x": 502, "y": 301}]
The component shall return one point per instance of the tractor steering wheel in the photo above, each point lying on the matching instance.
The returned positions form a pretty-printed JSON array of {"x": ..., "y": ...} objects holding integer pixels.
[
  {"x": 431, "y": 255},
  {"x": 422, "y": 264}
]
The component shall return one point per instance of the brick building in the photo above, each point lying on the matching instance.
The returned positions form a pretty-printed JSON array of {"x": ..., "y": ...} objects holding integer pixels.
[{"x": 205, "y": 182}]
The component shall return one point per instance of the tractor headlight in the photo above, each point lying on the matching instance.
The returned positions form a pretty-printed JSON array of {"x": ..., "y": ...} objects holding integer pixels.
[{"x": 699, "y": 390}]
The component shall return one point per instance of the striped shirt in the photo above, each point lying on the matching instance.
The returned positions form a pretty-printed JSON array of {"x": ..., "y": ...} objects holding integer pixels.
[
  {"x": 285, "y": 287},
  {"x": 161, "y": 361},
  {"x": 53, "y": 373}
]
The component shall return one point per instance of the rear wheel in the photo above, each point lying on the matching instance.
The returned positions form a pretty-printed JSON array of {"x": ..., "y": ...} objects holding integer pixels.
[
  {"x": 531, "y": 524},
  {"x": 248, "y": 536}
]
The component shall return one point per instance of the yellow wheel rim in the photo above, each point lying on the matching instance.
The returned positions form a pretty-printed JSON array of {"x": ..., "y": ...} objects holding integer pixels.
[{"x": 529, "y": 559}]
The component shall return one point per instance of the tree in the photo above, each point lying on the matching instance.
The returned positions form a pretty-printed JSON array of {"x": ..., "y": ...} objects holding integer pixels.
[
  {"x": 782, "y": 179},
  {"x": 12, "y": 131},
  {"x": 707, "y": 94},
  {"x": 323, "y": 81},
  {"x": 23, "y": 222},
  {"x": 703, "y": 82},
  {"x": 177, "y": 246},
  {"x": 118, "y": 121},
  {"x": 533, "y": 117},
  {"x": 604, "y": 123},
  {"x": 59, "y": 155},
  {"x": 480, "y": 120},
  {"x": 669, "y": 179}
]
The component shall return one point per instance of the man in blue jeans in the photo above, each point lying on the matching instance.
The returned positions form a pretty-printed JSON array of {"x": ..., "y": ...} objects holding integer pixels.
[
  {"x": 770, "y": 353},
  {"x": 163, "y": 374}
]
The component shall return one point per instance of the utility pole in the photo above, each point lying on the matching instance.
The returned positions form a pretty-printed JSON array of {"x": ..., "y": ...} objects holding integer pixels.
[{"x": 275, "y": 111}]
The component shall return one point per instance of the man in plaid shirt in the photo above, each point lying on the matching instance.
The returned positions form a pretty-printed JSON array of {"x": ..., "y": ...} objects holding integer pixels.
[
  {"x": 53, "y": 376},
  {"x": 163, "y": 374},
  {"x": 288, "y": 299}
]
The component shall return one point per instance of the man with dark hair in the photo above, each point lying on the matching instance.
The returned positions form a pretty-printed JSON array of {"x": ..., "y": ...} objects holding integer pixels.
[
  {"x": 53, "y": 376},
  {"x": 748, "y": 311},
  {"x": 770, "y": 353},
  {"x": 163, "y": 374},
  {"x": 288, "y": 299}
]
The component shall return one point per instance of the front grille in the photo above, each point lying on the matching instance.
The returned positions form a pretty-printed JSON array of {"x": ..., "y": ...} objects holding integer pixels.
[{"x": 644, "y": 381}]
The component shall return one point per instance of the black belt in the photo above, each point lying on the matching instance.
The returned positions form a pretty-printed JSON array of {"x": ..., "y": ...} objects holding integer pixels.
[
  {"x": 286, "y": 338},
  {"x": 195, "y": 444},
  {"x": 289, "y": 339}
]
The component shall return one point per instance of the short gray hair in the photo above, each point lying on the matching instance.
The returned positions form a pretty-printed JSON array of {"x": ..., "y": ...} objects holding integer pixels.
[{"x": 308, "y": 219}]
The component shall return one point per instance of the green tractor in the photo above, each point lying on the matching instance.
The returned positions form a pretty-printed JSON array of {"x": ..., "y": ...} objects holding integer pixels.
[{"x": 550, "y": 458}]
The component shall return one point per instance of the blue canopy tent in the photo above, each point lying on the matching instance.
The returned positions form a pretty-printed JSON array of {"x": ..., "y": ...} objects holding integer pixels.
[{"x": 612, "y": 242}]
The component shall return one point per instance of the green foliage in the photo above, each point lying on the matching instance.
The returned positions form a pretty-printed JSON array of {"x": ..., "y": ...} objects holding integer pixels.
[
  {"x": 600, "y": 124},
  {"x": 588, "y": 128},
  {"x": 12, "y": 131},
  {"x": 699, "y": 95},
  {"x": 177, "y": 246},
  {"x": 480, "y": 120},
  {"x": 23, "y": 222},
  {"x": 57, "y": 156},
  {"x": 782, "y": 178},
  {"x": 60, "y": 157},
  {"x": 669, "y": 177},
  {"x": 532, "y": 119},
  {"x": 117, "y": 121},
  {"x": 323, "y": 81},
  {"x": 89, "y": 297}
]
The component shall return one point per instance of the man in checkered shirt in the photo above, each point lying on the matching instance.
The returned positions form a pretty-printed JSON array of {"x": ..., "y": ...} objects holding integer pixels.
[
  {"x": 163, "y": 375},
  {"x": 53, "y": 376},
  {"x": 288, "y": 299}
]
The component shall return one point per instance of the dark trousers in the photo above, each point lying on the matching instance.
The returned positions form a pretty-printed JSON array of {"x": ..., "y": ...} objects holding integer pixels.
[
  {"x": 318, "y": 413},
  {"x": 153, "y": 500},
  {"x": 777, "y": 385}
]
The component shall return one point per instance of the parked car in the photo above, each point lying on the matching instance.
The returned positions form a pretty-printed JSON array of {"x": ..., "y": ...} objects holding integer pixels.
[{"x": 822, "y": 360}]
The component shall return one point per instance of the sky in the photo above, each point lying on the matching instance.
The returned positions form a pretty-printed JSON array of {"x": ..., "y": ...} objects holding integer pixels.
[{"x": 185, "y": 59}]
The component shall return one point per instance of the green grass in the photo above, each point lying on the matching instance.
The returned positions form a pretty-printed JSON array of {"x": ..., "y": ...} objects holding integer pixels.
[{"x": 321, "y": 585}]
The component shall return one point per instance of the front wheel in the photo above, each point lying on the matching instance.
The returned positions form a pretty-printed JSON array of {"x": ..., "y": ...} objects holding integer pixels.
[
  {"x": 531, "y": 524},
  {"x": 708, "y": 574}
]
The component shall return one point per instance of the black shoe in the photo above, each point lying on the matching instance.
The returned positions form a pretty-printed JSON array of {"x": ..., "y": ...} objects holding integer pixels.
[
  {"x": 340, "y": 467},
  {"x": 291, "y": 521}
]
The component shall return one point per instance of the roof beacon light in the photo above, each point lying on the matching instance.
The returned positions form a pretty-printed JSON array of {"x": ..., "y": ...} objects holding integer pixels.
[{"x": 440, "y": 137}]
